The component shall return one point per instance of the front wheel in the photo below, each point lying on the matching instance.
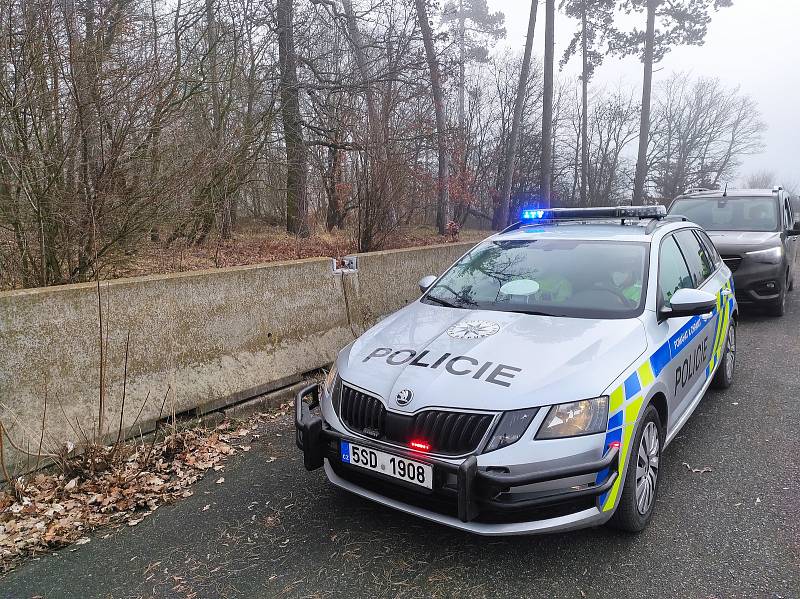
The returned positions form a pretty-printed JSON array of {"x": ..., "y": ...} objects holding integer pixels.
[
  {"x": 724, "y": 376},
  {"x": 641, "y": 476}
]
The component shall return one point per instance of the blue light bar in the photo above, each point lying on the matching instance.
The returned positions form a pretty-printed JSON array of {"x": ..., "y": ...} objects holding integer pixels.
[
  {"x": 533, "y": 214},
  {"x": 577, "y": 214}
]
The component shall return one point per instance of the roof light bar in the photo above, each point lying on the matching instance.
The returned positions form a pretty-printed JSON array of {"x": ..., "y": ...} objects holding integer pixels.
[{"x": 613, "y": 212}]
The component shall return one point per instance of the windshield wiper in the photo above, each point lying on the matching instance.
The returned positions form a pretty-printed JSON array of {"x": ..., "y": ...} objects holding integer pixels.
[
  {"x": 440, "y": 302},
  {"x": 534, "y": 313}
]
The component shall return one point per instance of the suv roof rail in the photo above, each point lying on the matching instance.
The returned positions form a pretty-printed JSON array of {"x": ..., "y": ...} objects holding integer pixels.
[
  {"x": 554, "y": 215},
  {"x": 693, "y": 190}
]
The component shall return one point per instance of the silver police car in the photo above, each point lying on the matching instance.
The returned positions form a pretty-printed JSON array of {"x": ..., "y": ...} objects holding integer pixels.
[{"x": 534, "y": 386}]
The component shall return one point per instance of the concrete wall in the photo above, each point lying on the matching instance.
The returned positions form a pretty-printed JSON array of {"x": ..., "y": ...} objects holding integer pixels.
[{"x": 203, "y": 340}]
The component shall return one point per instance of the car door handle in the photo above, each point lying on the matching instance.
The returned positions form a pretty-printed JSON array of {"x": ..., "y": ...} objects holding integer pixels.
[
  {"x": 708, "y": 316},
  {"x": 726, "y": 292}
]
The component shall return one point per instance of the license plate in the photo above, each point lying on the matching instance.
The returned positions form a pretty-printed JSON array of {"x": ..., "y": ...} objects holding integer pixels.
[{"x": 394, "y": 466}]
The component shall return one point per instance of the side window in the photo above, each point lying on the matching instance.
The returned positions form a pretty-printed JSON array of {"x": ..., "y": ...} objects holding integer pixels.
[
  {"x": 699, "y": 265},
  {"x": 789, "y": 216},
  {"x": 710, "y": 248},
  {"x": 673, "y": 274}
]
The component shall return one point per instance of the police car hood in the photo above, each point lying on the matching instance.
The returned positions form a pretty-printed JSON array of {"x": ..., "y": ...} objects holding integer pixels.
[{"x": 487, "y": 360}]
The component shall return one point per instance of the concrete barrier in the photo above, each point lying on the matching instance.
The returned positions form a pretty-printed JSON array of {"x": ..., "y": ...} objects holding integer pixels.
[{"x": 202, "y": 340}]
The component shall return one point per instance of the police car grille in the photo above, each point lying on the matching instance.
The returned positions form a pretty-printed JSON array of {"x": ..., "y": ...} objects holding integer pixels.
[
  {"x": 362, "y": 412},
  {"x": 450, "y": 432}
]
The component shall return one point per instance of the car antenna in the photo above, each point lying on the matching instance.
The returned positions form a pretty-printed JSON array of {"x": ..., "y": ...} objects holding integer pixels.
[{"x": 725, "y": 193}]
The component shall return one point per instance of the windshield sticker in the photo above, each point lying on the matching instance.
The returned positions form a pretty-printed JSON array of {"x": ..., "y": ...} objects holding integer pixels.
[{"x": 497, "y": 374}]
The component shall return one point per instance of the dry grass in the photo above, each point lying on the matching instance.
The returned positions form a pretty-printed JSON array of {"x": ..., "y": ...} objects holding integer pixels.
[{"x": 255, "y": 244}]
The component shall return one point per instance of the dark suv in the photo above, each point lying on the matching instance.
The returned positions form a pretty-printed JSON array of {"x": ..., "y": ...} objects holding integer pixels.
[{"x": 756, "y": 231}]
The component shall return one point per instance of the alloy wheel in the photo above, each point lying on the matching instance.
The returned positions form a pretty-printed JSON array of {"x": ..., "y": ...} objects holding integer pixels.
[
  {"x": 647, "y": 468},
  {"x": 731, "y": 349}
]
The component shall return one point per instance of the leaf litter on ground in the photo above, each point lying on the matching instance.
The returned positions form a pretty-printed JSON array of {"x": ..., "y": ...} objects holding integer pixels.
[{"x": 49, "y": 510}]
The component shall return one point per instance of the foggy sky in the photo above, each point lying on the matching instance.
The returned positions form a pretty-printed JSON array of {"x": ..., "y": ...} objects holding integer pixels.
[{"x": 755, "y": 45}]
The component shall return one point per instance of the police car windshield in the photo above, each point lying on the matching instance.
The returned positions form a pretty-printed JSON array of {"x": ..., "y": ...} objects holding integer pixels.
[
  {"x": 553, "y": 277},
  {"x": 731, "y": 213}
]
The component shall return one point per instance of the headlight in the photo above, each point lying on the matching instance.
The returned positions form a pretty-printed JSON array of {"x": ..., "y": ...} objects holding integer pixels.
[
  {"x": 770, "y": 256},
  {"x": 511, "y": 427},
  {"x": 330, "y": 380},
  {"x": 575, "y": 419}
]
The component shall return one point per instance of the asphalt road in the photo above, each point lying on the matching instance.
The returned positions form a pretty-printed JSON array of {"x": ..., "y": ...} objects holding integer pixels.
[{"x": 273, "y": 530}]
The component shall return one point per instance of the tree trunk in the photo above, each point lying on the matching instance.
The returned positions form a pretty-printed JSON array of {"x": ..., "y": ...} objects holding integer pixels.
[
  {"x": 647, "y": 88},
  {"x": 443, "y": 200},
  {"x": 296, "y": 152},
  {"x": 585, "y": 109},
  {"x": 547, "y": 110},
  {"x": 501, "y": 215},
  {"x": 462, "y": 68}
]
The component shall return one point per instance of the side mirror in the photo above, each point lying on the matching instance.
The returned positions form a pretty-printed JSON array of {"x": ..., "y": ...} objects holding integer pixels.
[
  {"x": 689, "y": 302},
  {"x": 426, "y": 282},
  {"x": 795, "y": 230}
]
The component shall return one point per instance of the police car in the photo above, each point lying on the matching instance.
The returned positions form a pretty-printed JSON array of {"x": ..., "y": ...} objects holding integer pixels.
[{"x": 534, "y": 386}]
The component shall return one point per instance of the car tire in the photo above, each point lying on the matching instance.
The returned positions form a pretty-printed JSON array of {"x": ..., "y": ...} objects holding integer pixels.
[
  {"x": 727, "y": 366},
  {"x": 639, "y": 491}
]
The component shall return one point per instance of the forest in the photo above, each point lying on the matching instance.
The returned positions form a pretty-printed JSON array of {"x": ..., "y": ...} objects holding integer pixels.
[{"x": 131, "y": 127}]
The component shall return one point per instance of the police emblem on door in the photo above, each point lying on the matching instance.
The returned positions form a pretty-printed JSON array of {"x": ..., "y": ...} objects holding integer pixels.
[{"x": 404, "y": 397}]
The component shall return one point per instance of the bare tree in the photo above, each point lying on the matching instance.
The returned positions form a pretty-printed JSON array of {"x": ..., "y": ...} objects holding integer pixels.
[
  {"x": 764, "y": 179},
  {"x": 547, "y": 113},
  {"x": 296, "y": 153},
  {"x": 443, "y": 203},
  {"x": 501, "y": 217},
  {"x": 700, "y": 132}
]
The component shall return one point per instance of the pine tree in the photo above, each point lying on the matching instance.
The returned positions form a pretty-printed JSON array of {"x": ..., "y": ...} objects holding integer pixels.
[
  {"x": 595, "y": 18},
  {"x": 475, "y": 29},
  {"x": 669, "y": 23}
]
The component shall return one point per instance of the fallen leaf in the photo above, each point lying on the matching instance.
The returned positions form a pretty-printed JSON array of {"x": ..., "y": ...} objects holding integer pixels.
[
  {"x": 206, "y": 507},
  {"x": 220, "y": 480},
  {"x": 698, "y": 470}
]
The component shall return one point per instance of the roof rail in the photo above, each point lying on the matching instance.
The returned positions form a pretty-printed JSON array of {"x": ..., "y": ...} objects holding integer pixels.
[
  {"x": 554, "y": 215},
  {"x": 693, "y": 190}
]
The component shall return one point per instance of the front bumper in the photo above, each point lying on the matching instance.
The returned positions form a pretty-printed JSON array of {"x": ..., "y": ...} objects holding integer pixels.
[
  {"x": 757, "y": 283},
  {"x": 464, "y": 495}
]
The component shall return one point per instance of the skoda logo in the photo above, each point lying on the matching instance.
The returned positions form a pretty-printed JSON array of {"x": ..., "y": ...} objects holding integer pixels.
[{"x": 404, "y": 397}]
